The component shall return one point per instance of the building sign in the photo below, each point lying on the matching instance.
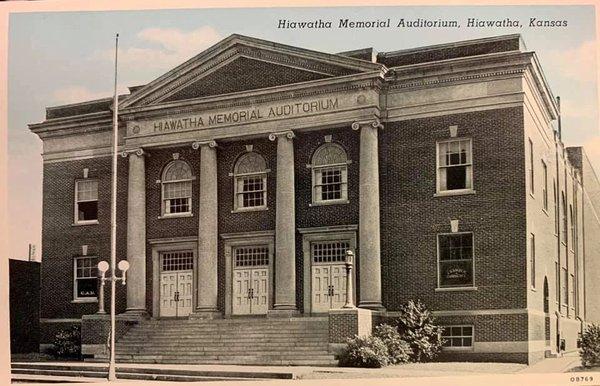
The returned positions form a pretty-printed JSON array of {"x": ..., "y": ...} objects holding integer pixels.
[
  {"x": 87, "y": 288},
  {"x": 249, "y": 115},
  {"x": 456, "y": 273}
]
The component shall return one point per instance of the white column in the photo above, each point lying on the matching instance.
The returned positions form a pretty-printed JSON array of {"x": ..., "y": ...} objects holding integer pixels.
[
  {"x": 136, "y": 233},
  {"x": 369, "y": 238},
  {"x": 207, "y": 284},
  {"x": 285, "y": 226}
]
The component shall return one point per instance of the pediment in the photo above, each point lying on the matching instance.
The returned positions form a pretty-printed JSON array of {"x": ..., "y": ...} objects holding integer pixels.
[{"x": 239, "y": 63}]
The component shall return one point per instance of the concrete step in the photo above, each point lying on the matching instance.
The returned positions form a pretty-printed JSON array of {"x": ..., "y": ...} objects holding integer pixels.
[
  {"x": 236, "y": 345},
  {"x": 147, "y": 376},
  {"x": 230, "y": 359},
  {"x": 225, "y": 337},
  {"x": 221, "y": 352},
  {"x": 148, "y": 373}
]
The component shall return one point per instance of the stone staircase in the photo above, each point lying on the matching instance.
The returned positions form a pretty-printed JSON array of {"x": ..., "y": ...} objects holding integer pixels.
[{"x": 250, "y": 341}]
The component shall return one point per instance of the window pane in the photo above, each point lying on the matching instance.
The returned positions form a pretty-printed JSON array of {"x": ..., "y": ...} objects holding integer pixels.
[
  {"x": 467, "y": 342},
  {"x": 87, "y": 210},
  {"x": 87, "y": 288},
  {"x": 251, "y": 256},
  {"x": 456, "y": 331},
  {"x": 87, "y": 190},
  {"x": 330, "y": 251},
  {"x": 456, "y": 273},
  {"x": 467, "y": 331},
  {"x": 456, "y": 177}
]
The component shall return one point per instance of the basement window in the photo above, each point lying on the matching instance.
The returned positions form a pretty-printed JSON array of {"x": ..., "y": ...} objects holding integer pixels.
[{"x": 457, "y": 337}]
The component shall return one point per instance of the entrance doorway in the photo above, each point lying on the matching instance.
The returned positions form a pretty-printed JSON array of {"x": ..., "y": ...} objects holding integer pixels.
[
  {"x": 176, "y": 283},
  {"x": 250, "y": 295},
  {"x": 328, "y": 275}
]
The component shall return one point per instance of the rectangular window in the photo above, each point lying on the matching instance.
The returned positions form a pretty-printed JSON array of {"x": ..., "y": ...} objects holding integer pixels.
[
  {"x": 85, "y": 278},
  {"x": 572, "y": 291},
  {"x": 455, "y": 165},
  {"x": 86, "y": 201},
  {"x": 556, "y": 219},
  {"x": 251, "y": 256},
  {"x": 545, "y": 186},
  {"x": 329, "y": 251},
  {"x": 557, "y": 281},
  {"x": 177, "y": 196},
  {"x": 331, "y": 183},
  {"x": 532, "y": 259},
  {"x": 177, "y": 261},
  {"x": 564, "y": 287},
  {"x": 531, "y": 176},
  {"x": 252, "y": 191},
  {"x": 457, "y": 336},
  {"x": 455, "y": 253}
]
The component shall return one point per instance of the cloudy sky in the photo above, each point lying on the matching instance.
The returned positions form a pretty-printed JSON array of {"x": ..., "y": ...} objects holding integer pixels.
[{"x": 65, "y": 57}]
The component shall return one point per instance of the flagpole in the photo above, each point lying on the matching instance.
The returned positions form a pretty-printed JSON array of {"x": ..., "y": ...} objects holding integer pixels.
[{"x": 113, "y": 226}]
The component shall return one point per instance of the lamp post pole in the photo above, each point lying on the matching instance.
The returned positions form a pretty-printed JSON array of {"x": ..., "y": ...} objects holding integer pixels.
[
  {"x": 349, "y": 289},
  {"x": 103, "y": 266},
  {"x": 113, "y": 225}
]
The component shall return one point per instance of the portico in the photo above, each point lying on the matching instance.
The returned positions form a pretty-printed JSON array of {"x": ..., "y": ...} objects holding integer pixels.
[{"x": 158, "y": 121}]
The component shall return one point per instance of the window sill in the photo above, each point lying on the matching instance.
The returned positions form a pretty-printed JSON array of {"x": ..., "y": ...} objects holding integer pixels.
[
  {"x": 460, "y": 192},
  {"x": 91, "y": 300},
  {"x": 83, "y": 223},
  {"x": 255, "y": 209},
  {"x": 332, "y": 202},
  {"x": 451, "y": 289},
  {"x": 175, "y": 215},
  {"x": 470, "y": 348}
]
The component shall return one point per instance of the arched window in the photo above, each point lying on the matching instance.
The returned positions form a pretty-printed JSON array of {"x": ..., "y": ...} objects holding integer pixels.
[
  {"x": 330, "y": 174},
  {"x": 250, "y": 182},
  {"x": 177, "y": 189}
]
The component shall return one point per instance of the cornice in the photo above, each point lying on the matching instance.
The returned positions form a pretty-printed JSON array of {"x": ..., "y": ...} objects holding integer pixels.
[{"x": 452, "y": 78}]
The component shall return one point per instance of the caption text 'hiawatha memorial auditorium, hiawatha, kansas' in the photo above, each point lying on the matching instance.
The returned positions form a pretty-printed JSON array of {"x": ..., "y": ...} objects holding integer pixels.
[{"x": 248, "y": 171}]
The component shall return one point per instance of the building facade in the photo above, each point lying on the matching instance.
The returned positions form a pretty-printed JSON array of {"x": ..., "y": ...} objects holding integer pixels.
[{"x": 248, "y": 171}]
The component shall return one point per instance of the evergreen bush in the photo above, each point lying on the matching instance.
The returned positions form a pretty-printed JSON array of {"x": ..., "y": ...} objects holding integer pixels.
[
  {"x": 417, "y": 327},
  {"x": 398, "y": 349},
  {"x": 67, "y": 343},
  {"x": 590, "y": 346},
  {"x": 364, "y": 351}
]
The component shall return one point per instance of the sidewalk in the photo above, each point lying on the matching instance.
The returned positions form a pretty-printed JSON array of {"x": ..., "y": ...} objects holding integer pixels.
[{"x": 554, "y": 365}]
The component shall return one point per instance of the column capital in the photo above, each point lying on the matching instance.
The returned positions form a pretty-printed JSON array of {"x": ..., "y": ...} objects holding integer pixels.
[
  {"x": 374, "y": 123},
  {"x": 139, "y": 152},
  {"x": 289, "y": 134},
  {"x": 210, "y": 143}
]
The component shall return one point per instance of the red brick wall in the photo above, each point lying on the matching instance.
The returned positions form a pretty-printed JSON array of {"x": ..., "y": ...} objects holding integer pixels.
[
  {"x": 411, "y": 216},
  {"x": 324, "y": 215},
  {"x": 62, "y": 241}
]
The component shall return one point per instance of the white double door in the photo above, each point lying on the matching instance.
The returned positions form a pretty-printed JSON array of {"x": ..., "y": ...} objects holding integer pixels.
[
  {"x": 250, "y": 291},
  {"x": 176, "y": 293},
  {"x": 328, "y": 286}
]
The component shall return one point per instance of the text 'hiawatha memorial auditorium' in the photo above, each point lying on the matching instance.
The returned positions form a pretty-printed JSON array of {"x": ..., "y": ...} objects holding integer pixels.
[{"x": 250, "y": 170}]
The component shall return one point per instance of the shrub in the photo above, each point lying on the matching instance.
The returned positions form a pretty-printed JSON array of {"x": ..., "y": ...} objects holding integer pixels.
[
  {"x": 368, "y": 351},
  {"x": 399, "y": 350},
  {"x": 590, "y": 346},
  {"x": 67, "y": 343},
  {"x": 417, "y": 327}
]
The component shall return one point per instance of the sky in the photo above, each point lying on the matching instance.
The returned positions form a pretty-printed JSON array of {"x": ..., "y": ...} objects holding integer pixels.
[{"x": 66, "y": 57}]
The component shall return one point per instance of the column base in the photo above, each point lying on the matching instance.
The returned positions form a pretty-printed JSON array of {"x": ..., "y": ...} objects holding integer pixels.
[
  {"x": 375, "y": 306},
  {"x": 283, "y": 313},
  {"x": 206, "y": 314}
]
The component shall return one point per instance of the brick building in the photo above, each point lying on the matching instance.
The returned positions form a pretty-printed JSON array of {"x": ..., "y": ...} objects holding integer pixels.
[{"x": 249, "y": 170}]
